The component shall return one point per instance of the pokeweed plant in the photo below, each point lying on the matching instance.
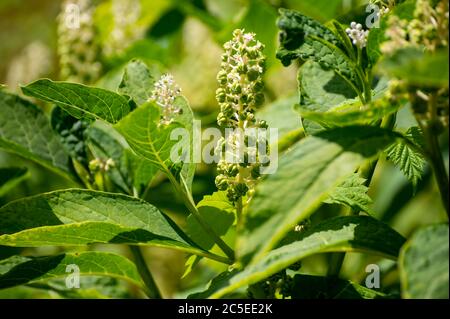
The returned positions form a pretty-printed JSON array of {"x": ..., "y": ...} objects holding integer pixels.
[{"x": 352, "y": 81}]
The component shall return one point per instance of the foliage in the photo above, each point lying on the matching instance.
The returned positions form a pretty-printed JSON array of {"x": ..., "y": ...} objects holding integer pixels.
[{"x": 135, "y": 175}]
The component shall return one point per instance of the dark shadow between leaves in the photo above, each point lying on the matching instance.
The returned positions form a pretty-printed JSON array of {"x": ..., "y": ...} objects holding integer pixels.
[
  {"x": 29, "y": 270},
  {"x": 12, "y": 218},
  {"x": 337, "y": 85}
]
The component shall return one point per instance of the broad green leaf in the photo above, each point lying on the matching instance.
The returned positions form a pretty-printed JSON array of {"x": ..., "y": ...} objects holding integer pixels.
[
  {"x": 19, "y": 270},
  {"x": 91, "y": 287},
  {"x": 304, "y": 178},
  {"x": 306, "y": 39},
  {"x": 327, "y": 100},
  {"x": 26, "y": 131},
  {"x": 137, "y": 82},
  {"x": 281, "y": 115},
  {"x": 349, "y": 233},
  {"x": 81, "y": 217},
  {"x": 218, "y": 212},
  {"x": 79, "y": 100},
  {"x": 147, "y": 137},
  {"x": 318, "y": 287},
  {"x": 416, "y": 67},
  {"x": 406, "y": 155},
  {"x": 352, "y": 193},
  {"x": 423, "y": 264},
  {"x": 10, "y": 177}
]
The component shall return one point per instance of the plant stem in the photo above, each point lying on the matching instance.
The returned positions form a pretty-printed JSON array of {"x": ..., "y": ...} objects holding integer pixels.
[
  {"x": 239, "y": 216},
  {"x": 190, "y": 205},
  {"x": 437, "y": 163},
  {"x": 153, "y": 291},
  {"x": 365, "y": 171}
]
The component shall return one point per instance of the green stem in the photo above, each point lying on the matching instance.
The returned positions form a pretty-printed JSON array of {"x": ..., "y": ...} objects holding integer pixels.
[
  {"x": 431, "y": 129},
  {"x": 365, "y": 171},
  {"x": 190, "y": 205},
  {"x": 239, "y": 216},
  {"x": 437, "y": 163},
  {"x": 152, "y": 289}
]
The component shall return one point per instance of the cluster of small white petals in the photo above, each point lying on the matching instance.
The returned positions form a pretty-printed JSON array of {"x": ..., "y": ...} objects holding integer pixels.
[
  {"x": 382, "y": 12},
  {"x": 240, "y": 92},
  {"x": 240, "y": 79},
  {"x": 126, "y": 30},
  {"x": 78, "y": 52},
  {"x": 164, "y": 94},
  {"x": 357, "y": 34}
]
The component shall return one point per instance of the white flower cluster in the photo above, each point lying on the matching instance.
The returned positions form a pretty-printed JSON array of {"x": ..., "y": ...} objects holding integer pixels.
[
  {"x": 164, "y": 94},
  {"x": 126, "y": 30},
  {"x": 357, "y": 34},
  {"x": 77, "y": 49},
  {"x": 240, "y": 80},
  {"x": 240, "y": 92},
  {"x": 382, "y": 12}
]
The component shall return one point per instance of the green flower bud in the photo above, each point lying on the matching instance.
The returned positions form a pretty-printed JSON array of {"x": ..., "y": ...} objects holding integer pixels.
[
  {"x": 241, "y": 189},
  {"x": 220, "y": 95},
  {"x": 221, "y": 182}
]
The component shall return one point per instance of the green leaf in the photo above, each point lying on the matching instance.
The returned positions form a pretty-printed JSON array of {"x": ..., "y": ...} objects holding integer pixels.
[
  {"x": 423, "y": 264},
  {"x": 19, "y": 270},
  {"x": 129, "y": 170},
  {"x": 348, "y": 233},
  {"x": 318, "y": 287},
  {"x": 10, "y": 177},
  {"x": 214, "y": 285},
  {"x": 146, "y": 137},
  {"x": 26, "y": 131},
  {"x": 218, "y": 212},
  {"x": 304, "y": 178},
  {"x": 327, "y": 100},
  {"x": 153, "y": 141},
  {"x": 417, "y": 67},
  {"x": 79, "y": 100},
  {"x": 81, "y": 217},
  {"x": 406, "y": 155},
  {"x": 137, "y": 82},
  {"x": 281, "y": 115},
  {"x": 352, "y": 193},
  {"x": 306, "y": 39}
]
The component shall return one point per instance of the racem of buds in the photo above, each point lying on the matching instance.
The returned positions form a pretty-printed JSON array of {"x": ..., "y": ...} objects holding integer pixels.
[
  {"x": 240, "y": 93},
  {"x": 164, "y": 94},
  {"x": 357, "y": 34},
  {"x": 78, "y": 52}
]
